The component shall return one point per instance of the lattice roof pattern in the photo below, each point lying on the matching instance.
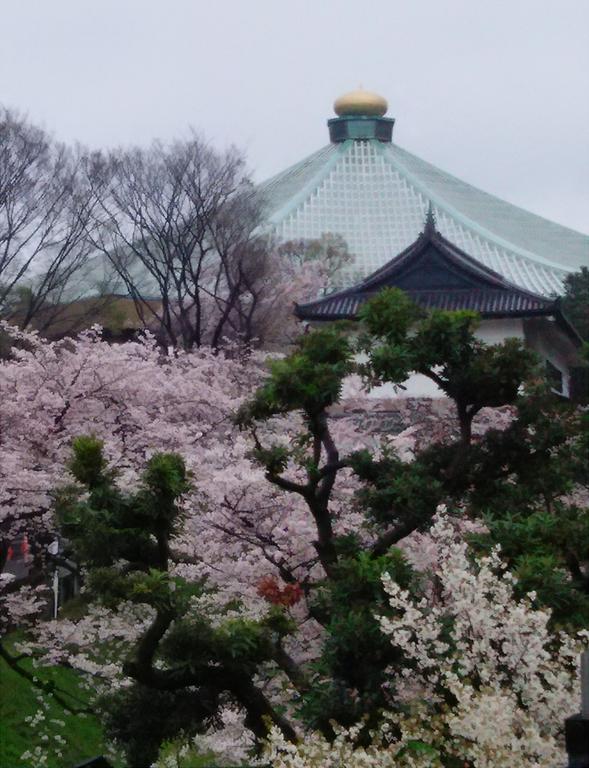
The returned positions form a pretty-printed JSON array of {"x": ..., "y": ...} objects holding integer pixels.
[{"x": 376, "y": 195}]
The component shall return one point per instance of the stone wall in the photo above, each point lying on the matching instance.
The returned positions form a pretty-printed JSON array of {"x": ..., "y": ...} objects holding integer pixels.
[{"x": 419, "y": 420}]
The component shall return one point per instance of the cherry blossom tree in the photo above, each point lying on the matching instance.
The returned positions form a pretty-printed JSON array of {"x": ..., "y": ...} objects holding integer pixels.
[
  {"x": 52, "y": 392},
  {"x": 285, "y": 521},
  {"x": 487, "y": 681}
]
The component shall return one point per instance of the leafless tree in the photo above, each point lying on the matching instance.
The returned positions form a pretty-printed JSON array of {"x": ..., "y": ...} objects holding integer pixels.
[
  {"x": 179, "y": 224},
  {"x": 280, "y": 274},
  {"x": 45, "y": 208},
  {"x": 330, "y": 249}
]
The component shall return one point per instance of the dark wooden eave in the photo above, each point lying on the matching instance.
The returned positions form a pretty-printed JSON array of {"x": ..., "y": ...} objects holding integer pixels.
[{"x": 435, "y": 274}]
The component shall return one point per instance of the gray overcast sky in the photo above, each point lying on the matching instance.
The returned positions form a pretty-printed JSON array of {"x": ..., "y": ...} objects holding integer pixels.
[{"x": 494, "y": 91}]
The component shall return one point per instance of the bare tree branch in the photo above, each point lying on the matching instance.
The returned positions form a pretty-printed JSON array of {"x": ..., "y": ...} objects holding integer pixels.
[
  {"x": 45, "y": 211},
  {"x": 179, "y": 225}
]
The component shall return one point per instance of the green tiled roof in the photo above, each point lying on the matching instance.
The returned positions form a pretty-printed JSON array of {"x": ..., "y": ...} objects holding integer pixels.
[{"x": 376, "y": 195}]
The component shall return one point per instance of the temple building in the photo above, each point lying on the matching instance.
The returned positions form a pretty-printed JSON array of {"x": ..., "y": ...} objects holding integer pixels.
[{"x": 410, "y": 225}]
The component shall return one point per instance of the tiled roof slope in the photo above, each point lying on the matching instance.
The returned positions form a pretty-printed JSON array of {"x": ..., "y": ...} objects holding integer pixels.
[
  {"x": 489, "y": 304},
  {"x": 376, "y": 195}
]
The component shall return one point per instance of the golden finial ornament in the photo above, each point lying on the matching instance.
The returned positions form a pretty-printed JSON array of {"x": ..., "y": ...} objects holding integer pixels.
[{"x": 360, "y": 102}]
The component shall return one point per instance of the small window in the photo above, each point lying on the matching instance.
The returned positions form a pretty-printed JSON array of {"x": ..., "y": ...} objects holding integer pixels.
[{"x": 554, "y": 377}]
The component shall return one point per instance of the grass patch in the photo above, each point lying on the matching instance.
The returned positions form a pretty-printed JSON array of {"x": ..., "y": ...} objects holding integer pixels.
[{"x": 18, "y": 700}]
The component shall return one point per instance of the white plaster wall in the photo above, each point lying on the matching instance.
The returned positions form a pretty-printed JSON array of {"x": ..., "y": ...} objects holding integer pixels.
[
  {"x": 489, "y": 331},
  {"x": 542, "y": 335},
  {"x": 496, "y": 331}
]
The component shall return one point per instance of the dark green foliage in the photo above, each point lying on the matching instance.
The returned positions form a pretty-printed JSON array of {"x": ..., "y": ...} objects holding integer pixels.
[
  {"x": 575, "y": 302},
  {"x": 274, "y": 458},
  {"x": 544, "y": 550},
  {"x": 540, "y": 456},
  {"x": 478, "y": 375},
  {"x": 389, "y": 316},
  {"x": 88, "y": 465},
  {"x": 511, "y": 470},
  {"x": 443, "y": 346},
  {"x": 164, "y": 481},
  {"x": 309, "y": 380},
  {"x": 103, "y": 530},
  {"x": 109, "y": 525},
  {"x": 142, "y": 719},
  {"x": 446, "y": 339},
  {"x": 582, "y": 474},
  {"x": 394, "y": 490},
  {"x": 387, "y": 319},
  {"x": 239, "y": 645},
  {"x": 517, "y": 480},
  {"x": 352, "y": 670}
]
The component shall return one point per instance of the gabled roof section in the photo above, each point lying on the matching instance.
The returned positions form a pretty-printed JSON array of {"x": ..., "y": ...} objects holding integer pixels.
[{"x": 436, "y": 275}]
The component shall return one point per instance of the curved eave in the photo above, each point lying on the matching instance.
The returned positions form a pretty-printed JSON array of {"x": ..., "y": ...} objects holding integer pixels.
[
  {"x": 487, "y": 306},
  {"x": 308, "y": 315},
  {"x": 554, "y": 312},
  {"x": 483, "y": 290}
]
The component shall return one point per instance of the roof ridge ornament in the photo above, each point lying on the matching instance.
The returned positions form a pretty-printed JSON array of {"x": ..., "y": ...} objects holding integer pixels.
[
  {"x": 429, "y": 225},
  {"x": 360, "y": 103}
]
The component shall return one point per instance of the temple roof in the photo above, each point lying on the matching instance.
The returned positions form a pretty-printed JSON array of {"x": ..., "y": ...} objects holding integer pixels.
[
  {"x": 435, "y": 274},
  {"x": 375, "y": 195}
]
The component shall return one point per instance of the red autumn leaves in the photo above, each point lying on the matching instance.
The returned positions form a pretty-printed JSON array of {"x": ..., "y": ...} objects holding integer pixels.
[{"x": 270, "y": 590}]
